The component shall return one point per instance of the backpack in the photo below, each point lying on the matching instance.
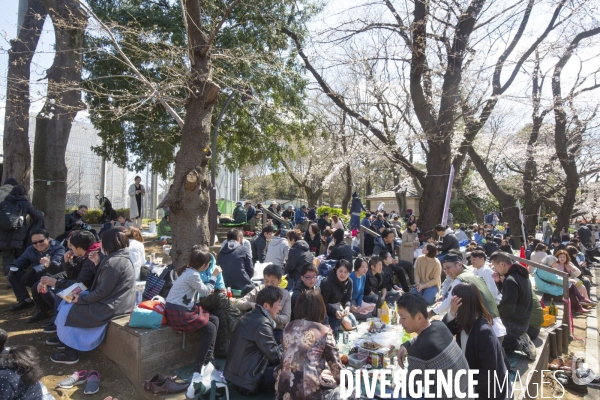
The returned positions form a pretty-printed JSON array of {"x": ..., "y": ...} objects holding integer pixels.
[{"x": 11, "y": 217}]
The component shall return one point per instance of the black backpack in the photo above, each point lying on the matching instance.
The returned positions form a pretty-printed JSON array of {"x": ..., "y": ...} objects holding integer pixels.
[{"x": 11, "y": 217}]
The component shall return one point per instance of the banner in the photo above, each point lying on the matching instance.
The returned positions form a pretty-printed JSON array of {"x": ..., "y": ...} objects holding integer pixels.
[
  {"x": 448, "y": 197},
  {"x": 522, "y": 223}
]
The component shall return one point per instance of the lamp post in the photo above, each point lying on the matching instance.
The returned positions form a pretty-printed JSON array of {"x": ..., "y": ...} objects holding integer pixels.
[{"x": 212, "y": 210}]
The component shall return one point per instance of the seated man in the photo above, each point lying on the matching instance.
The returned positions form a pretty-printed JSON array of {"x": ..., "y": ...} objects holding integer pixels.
[
  {"x": 456, "y": 273},
  {"x": 449, "y": 241},
  {"x": 259, "y": 244},
  {"x": 307, "y": 281},
  {"x": 301, "y": 219},
  {"x": 239, "y": 214},
  {"x": 235, "y": 260},
  {"x": 272, "y": 277},
  {"x": 163, "y": 229},
  {"x": 43, "y": 257},
  {"x": 75, "y": 218},
  {"x": 400, "y": 267},
  {"x": 433, "y": 348},
  {"x": 516, "y": 305},
  {"x": 253, "y": 351},
  {"x": 278, "y": 249}
]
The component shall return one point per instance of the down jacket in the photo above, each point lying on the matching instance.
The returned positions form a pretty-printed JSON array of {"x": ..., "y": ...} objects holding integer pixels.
[
  {"x": 14, "y": 240},
  {"x": 298, "y": 256}
]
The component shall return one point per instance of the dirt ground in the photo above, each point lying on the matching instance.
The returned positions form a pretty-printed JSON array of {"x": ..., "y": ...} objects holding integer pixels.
[{"x": 112, "y": 381}]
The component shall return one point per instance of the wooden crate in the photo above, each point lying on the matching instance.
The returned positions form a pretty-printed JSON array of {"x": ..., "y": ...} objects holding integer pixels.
[{"x": 143, "y": 353}]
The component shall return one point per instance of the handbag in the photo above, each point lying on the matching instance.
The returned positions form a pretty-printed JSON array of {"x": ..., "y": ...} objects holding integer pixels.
[
  {"x": 154, "y": 285},
  {"x": 349, "y": 322},
  {"x": 157, "y": 304},
  {"x": 144, "y": 318}
]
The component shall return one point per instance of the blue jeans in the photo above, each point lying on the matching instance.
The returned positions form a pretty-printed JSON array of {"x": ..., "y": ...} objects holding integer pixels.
[
  {"x": 427, "y": 293},
  {"x": 335, "y": 324}
]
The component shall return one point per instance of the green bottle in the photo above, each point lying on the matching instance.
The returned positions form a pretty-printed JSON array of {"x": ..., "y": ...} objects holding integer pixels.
[{"x": 552, "y": 310}]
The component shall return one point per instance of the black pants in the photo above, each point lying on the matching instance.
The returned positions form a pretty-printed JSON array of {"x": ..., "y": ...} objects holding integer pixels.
[
  {"x": 267, "y": 384},
  {"x": 513, "y": 332},
  {"x": 43, "y": 301},
  {"x": 402, "y": 270},
  {"x": 8, "y": 257},
  {"x": 207, "y": 345},
  {"x": 20, "y": 289}
]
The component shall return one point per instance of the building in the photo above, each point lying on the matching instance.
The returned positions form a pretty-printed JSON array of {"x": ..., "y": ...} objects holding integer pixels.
[{"x": 391, "y": 202}]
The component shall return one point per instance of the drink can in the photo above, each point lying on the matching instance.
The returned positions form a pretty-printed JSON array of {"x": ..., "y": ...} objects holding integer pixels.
[
  {"x": 153, "y": 255},
  {"x": 375, "y": 361},
  {"x": 44, "y": 289},
  {"x": 386, "y": 362},
  {"x": 346, "y": 337}
]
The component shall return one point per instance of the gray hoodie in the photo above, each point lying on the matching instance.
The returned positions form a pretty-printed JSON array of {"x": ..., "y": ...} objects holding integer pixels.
[{"x": 277, "y": 251}]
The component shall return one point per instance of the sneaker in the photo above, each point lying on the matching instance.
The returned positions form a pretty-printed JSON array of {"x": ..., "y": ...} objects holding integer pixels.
[
  {"x": 49, "y": 329},
  {"x": 93, "y": 383},
  {"x": 65, "y": 358},
  {"x": 53, "y": 341},
  {"x": 28, "y": 303},
  {"x": 525, "y": 344},
  {"x": 78, "y": 378}
]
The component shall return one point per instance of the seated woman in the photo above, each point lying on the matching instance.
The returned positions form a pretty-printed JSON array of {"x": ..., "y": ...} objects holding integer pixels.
[
  {"x": 564, "y": 264},
  {"x": 81, "y": 324},
  {"x": 479, "y": 236},
  {"x": 552, "y": 284},
  {"x": 124, "y": 221},
  {"x": 137, "y": 251},
  {"x": 337, "y": 294},
  {"x": 470, "y": 322},
  {"x": 428, "y": 275},
  {"x": 312, "y": 236},
  {"x": 184, "y": 315},
  {"x": 359, "y": 278},
  {"x": 340, "y": 250},
  {"x": 308, "y": 347},
  {"x": 578, "y": 260}
]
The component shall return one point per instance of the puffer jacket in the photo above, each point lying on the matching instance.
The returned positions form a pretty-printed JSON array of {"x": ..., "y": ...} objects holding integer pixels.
[
  {"x": 298, "y": 256},
  {"x": 31, "y": 258},
  {"x": 15, "y": 240},
  {"x": 374, "y": 283},
  {"x": 335, "y": 292},
  {"x": 449, "y": 242},
  {"x": 251, "y": 347},
  {"x": 341, "y": 251}
]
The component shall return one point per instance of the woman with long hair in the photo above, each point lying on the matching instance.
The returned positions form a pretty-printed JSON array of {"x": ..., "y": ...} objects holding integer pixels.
[
  {"x": 337, "y": 294},
  {"x": 337, "y": 223},
  {"x": 410, "y": 242},
  {"x": 564, "y": 264},
  {"x": 471, "y": 323}
]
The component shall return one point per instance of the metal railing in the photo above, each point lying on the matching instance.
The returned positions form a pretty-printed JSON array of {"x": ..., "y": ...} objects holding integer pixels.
[
  {"x": 361, "y": 237},
  {"x": 265, "y": 212},
  {"x": 565, "y": 283}
]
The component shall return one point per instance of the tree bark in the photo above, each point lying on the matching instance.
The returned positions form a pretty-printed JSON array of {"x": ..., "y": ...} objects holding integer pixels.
[
  {"x": 348, "y": 192},
  {"x": 17, "y": 153},
  {"x": 53, "y": 123},
  {"x": 189, "y": 195}
]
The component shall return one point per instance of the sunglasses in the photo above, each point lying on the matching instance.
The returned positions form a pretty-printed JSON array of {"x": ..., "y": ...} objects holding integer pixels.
[{"x": 38, "y": 242}]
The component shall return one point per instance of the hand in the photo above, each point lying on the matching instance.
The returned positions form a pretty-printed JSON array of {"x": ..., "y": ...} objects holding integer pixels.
[
  {"x": 47, "y": 280},
  {"x": 94, "y": 257},
  {"x": 418, "y": 287},
  {"x": 79, "y": 222},
  {"x": 113, "y": 223},
  {"x": 75, "y": 298},
  {"x": 339, "y": 314},
  {"x": 346, "y": 311},
  {"x": 217, "y": 271},
  {"x": 402, "y": 356},
  {"x": 496, "y": 277},
  {"x": 396, "y": 287},
  {"x": 68, "y": 256},
  {"x": 45, "y": 261},
  {"x": 455, "y": 304}
]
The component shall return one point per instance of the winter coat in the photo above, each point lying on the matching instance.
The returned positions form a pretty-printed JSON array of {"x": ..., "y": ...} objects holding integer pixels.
[
  {"x": 585, "y": 235},
  {"x": 251, "y": 348},
  {"x": 373, "y": 283},
  {"x": 218, "y": 304},
  {"x": 31, "y": 258},
  {"x": 259, "y": 247},
  {"x": 112, "y": 294},
  {"x": 313, "y": 243},
  {"x": 516, "y": 305},
  {"x": 13, "y": 388},
  {"x": 449, "y": 242},
  {"x": 133, "y": 208},
  {"x": 490, "y": 247},
  {"x": 312, "y": 214},
  {"x": 250, "y": 213},
  {"x": 322, "y": 223},
  {"x": 236, "y": 262},
  {"x": 79, "y": 269},
  {"x": 547, "y": 282},
  {"x": 300, "y": 216},
  {"x": 356, "y": 206},
  {"x": 278, "y": 251},
  {"x": 336, "y": 294},
  {"x": 15, "y": 240},
  {"x": 239, "y": 215},
  {"x": 71, "y": 220},
  {"x": 298, "y": 256},
  {"x": 407, "y": 250},
  {"x": 341, "y": 251}
]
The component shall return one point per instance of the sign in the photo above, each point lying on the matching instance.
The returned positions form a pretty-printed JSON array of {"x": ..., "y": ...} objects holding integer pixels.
[{"x": 448, "y": 197}]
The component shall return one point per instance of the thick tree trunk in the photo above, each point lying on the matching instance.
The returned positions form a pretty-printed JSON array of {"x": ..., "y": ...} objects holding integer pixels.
[
  {"x": 53, "y": 123},
  {"x": 431, "y": 204},
  {"x": 17, "y": 153},
  {"x": 348, "y": 192}
]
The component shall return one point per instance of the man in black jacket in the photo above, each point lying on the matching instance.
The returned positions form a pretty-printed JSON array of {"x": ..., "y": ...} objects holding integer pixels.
[
  {"x": 585, "y": 234},
  {"x": 75, "y": 218},
  {"x": 253, "y": 351},
  {"x": 324, "y": 222},
  {"x": 307, "y": 281},
  {"x": 516, "y": 305},
  {"x": 449, "y": 241},
  {"x": 236, "y": 261},
  {"x": 260, "y": 242}
]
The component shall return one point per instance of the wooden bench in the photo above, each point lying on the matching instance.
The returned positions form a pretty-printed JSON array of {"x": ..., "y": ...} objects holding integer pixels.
[{"x": 143, "y": 353}]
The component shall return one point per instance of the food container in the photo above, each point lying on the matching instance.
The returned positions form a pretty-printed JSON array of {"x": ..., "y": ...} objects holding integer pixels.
[
  {"x": 386, "y": 339},
  {"x": 548, "y": 320},
  {"x": 357, "y": 360},
  {"x": 546, "y": 310}
]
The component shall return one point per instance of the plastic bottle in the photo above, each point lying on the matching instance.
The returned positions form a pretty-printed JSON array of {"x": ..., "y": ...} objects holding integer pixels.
[
  {"x": 385, "y": 313},
  {"x": 229, "y": 293},
  {"x": 552, "y": 310}
]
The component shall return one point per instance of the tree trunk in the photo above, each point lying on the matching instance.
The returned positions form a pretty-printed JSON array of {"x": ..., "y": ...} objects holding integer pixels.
[
  {"x": 431, "y": 204},
  {"x": 348, "y": 192},
  {"x": 53, "y": 123},
  {"x": 17, "y": 153}
]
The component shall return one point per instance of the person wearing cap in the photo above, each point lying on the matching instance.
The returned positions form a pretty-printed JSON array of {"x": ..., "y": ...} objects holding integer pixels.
[
  {"x": 250, "y": 215},
  {"x": 453, "y": 266},
  {"x": 516, "y": 305},
  {"x": 300, "y": 219},
  {"x": 239, "y": 214}
]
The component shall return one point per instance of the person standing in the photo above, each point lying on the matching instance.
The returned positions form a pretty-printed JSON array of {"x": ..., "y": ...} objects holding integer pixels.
[
  {"x": 136, "y": 192},
  {"x": 355, "y": 209},
  {"x": 250, "y": 215}
]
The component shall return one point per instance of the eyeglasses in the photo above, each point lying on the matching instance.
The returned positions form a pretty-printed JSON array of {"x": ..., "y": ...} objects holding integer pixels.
[
  {"x": 310, "y": 278},
  {"x": 38, "y": 242}
]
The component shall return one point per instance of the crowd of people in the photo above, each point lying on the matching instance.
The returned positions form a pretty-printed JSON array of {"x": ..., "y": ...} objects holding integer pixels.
[{"x": 459, "y": 293}]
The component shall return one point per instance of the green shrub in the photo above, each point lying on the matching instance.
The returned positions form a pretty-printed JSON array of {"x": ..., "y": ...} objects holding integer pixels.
[
  {"x": 95, "y": 216},
  {"x": 335, "y": 211}
]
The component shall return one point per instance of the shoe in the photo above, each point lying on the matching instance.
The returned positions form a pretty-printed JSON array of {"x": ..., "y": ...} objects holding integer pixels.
[
  {"x": 214, "y": 362},
  {"x": 168, "y": 386},
  {"x": 53, "y": 341},
  {"x": 557, "y": 363},
  {"x": 525, "y": 344},
  {"x": 78, "y": 378},
  {"x": 581, "y": 310},
  {"x": 37, "y": 316},
  {"x": 22, "y": 305},
  {"x": 50, "y": 329},
  {"x": 93, "y": 383},
  {"x": 587, "y": 301},
  {"x": 64, "y": 358},
  {"x": 155, "y": 380}
]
